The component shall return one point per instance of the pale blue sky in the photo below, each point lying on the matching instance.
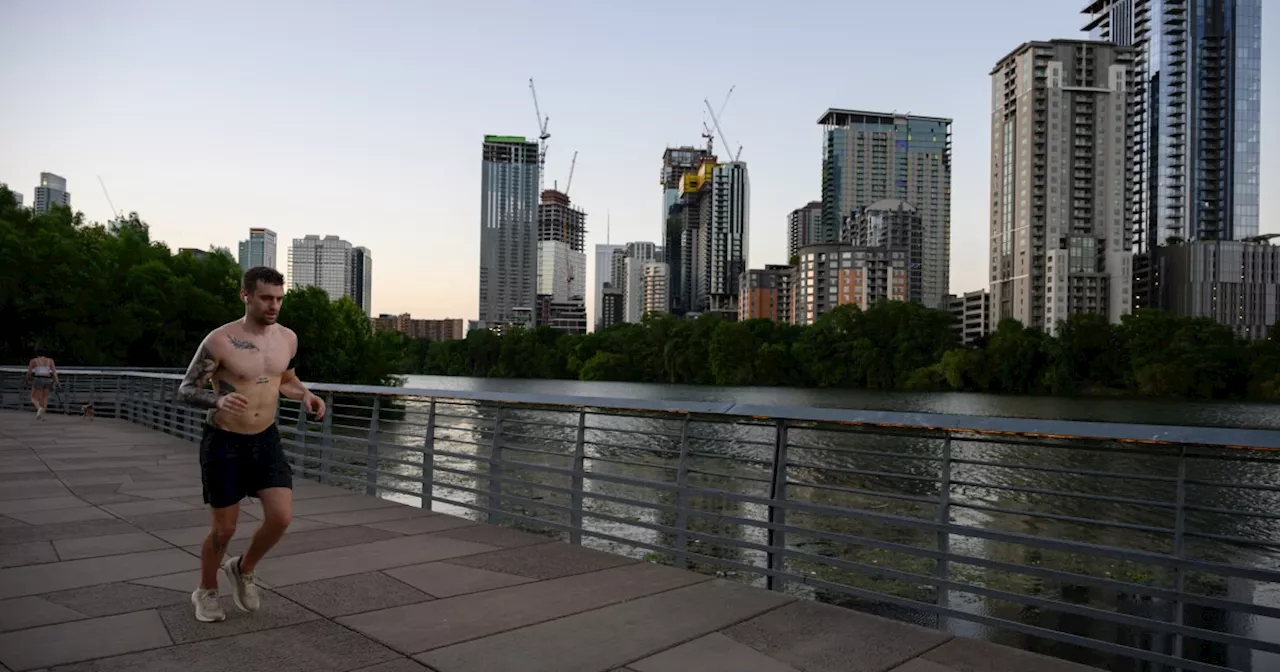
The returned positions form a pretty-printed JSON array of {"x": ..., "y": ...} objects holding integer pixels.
[{"x": 364, "y": 119}]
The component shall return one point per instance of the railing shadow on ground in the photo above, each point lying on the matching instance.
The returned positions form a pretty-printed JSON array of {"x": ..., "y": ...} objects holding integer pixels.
[{"x": 1128, "y": 547}]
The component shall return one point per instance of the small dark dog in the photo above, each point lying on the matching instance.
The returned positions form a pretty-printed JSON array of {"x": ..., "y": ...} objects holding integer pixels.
[{"x": 87, "y": 411}]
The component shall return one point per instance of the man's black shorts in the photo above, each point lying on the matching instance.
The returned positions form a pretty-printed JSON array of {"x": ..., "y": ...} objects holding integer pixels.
[{"x": 235, "y": 465}]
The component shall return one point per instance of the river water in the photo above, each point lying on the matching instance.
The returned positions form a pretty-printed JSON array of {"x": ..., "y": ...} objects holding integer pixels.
[
  {"x": 1101, "y": 409},
  {"x": 733, "y": 457}
]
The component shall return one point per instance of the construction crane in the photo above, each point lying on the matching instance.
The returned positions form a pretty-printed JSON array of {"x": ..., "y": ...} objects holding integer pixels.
[
  {"x": 116, "y": 213},
  {"x": 706, "y": 130},
  {"x": 715, "y": 120},
  {"x": 572, "y": 164},
  {"x": 542, "y": 133}
]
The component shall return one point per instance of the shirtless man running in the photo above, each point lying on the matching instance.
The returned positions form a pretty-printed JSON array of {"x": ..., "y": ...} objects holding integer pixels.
[{"x": 250, "y": 364}]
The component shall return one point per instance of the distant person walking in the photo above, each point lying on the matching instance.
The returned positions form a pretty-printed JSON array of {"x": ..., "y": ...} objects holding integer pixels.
[
  {"x": 249, "y": 364},
  {"x": 43, "y": 376}
]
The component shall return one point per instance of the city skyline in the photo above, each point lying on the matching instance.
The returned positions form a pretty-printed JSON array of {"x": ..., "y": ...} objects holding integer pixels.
[{"x": 313, "y": 166}]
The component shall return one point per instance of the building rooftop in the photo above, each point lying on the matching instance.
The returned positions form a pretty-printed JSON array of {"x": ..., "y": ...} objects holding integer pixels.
[
  {"x": 841, "y": 117},
  {"x": 891, "y": 204},
  {"x": 1051, "y": 43}
]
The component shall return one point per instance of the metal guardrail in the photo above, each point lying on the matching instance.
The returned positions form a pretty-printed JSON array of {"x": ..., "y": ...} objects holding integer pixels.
[{"x": 1120, "y": 546}]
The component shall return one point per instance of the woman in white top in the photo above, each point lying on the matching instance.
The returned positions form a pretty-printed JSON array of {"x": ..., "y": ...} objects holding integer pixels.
[{"x": 44, "y": 375}]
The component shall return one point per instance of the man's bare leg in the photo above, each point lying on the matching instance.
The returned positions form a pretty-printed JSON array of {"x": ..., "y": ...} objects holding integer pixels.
[
  {"x": 222, "y": 528},
  {"x": 277, "y": 513}
]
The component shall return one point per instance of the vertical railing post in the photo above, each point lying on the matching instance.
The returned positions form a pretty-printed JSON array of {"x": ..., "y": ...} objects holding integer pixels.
[
  {"x": 429, "y": 459},
  {"x": 326, "y": 439},
  {"x": 495, "y": 469},
  {"x": 777, "y": 509},
  {"x": 301, "y": 426},
  {"x": 153, "y": 394},
  {"x": 1179, "y": 550},
  {"x": 116, "y": 411},
  {"x": 371, "y": 450},
  {"x": 166, "y": 416},
  {"x": 681, "y": 556},
  {"x": 942, "y": 570},
  {"x": 578, "y": 478}
]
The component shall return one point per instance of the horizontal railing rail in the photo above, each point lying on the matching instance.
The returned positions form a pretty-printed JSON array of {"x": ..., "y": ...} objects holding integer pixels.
[{"x": 1116, "y": 545}]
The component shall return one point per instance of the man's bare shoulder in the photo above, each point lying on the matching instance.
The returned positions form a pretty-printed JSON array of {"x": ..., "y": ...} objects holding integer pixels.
[
  {"x": 289, "y": 335},
  {"x": 213, "y": 340}
]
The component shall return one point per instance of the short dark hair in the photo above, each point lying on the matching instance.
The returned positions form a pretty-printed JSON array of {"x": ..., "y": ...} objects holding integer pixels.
[{"x": 264, "y": 274}]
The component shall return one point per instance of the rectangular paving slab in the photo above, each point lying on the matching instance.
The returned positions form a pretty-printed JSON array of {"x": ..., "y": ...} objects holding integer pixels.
[
  {"x": 963, "y": 654},
  {"x": 353, "y": 594},
  {"x": 73, "y": 530},
  {"x": 30, "y": 553},
  {"x": 40, "y": 504},
  {"x": 816, "y": 638},
  {"x": 147, "y": 506},
  {"x": 274, "y": 612},
  {"x": 32, "y": 489},
  {"x": 82, "y": 640},
  {"x": 545, "y": 561},
  {"x": 421, "y": 627},
  {"x": 422, "y": 525},
  {"x": 36, "y": 579},
  {"x": 921, "y": 665},
  {"x": 493, "y": 535},
  {"x": 29, "y": 612},
  {"x": 194, "y": 535},
  {"x": 61, "y": 515},
  {"x": 712, "y": 653},
  {"x": 401, "y": 665},
  {"x": 109, "y": 599},
  {"x": 312, "y": 540},
  {"x": 111, "y": 544},
  {"x": 176, "y": 519},
  {"x": 371, "y": 515},
  {"x": 316, "y": 646},
  {"x": 311, "y": 507},
  {"x": 610, "y": 637},
  {"x": 334, "y": 562},
  {"x": 442, "y": 579}
]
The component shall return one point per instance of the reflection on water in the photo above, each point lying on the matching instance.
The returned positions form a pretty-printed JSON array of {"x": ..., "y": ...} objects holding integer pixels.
[
  {"x": 1101, "y": 409},
  {"x": 885, "y": 563}
]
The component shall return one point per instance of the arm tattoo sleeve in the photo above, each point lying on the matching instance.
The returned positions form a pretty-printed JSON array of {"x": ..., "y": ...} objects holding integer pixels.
[{"x": 194, "y": 387}]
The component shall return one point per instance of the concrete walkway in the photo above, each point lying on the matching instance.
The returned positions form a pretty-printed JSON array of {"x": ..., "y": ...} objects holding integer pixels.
[{"x": 100, "y": 524}]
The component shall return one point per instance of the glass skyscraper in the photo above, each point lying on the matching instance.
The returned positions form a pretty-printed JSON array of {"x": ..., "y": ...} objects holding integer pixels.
[
  {"x": 258, "y": 250},
  {"x": 508, "y": 231},
  {"x": 871, "y": 156},
  {"x": 1196, "y": 114}
]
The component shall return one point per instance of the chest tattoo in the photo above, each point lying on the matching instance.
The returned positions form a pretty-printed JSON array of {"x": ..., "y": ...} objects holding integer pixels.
[{"x": 241, "y": 344}]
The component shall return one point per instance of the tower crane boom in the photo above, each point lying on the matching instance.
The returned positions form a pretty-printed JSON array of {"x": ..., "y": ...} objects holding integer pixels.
[
  {"x": 572, "y": 164},
  {"x": 542, "y": 133}
]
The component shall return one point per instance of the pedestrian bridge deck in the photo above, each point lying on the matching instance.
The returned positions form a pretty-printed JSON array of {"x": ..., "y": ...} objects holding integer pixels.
[{"x": 100, "y": 526}]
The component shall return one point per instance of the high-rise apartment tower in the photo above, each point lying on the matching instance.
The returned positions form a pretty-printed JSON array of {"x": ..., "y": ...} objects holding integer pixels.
[
  {"x": 1060, "y": 184},
  {"x": 871, "y": 156},
  {"x": 360, "y": 278},
  {"x": 508, "y": 231},
  {"x": 677, "y": 163},
  {"x": 51, "y": 191},
  {"x": 259, "y": 249},
  {"x": 333, "y": 265},
  {"x": 1195, "y": 122},
  {"x": 804, "y": 227}
]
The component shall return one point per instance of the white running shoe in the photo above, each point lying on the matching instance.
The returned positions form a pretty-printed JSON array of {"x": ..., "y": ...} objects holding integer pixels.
[
  {"x": 243, "y": 589},
  {"x": 207, "y": 608}
]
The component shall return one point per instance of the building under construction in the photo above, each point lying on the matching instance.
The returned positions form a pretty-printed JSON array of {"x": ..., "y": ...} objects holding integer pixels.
[
  {"x": 559, "y": 221},
  {"x": 562, "y": 263},
  {"x": 677, "y": 164}
]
